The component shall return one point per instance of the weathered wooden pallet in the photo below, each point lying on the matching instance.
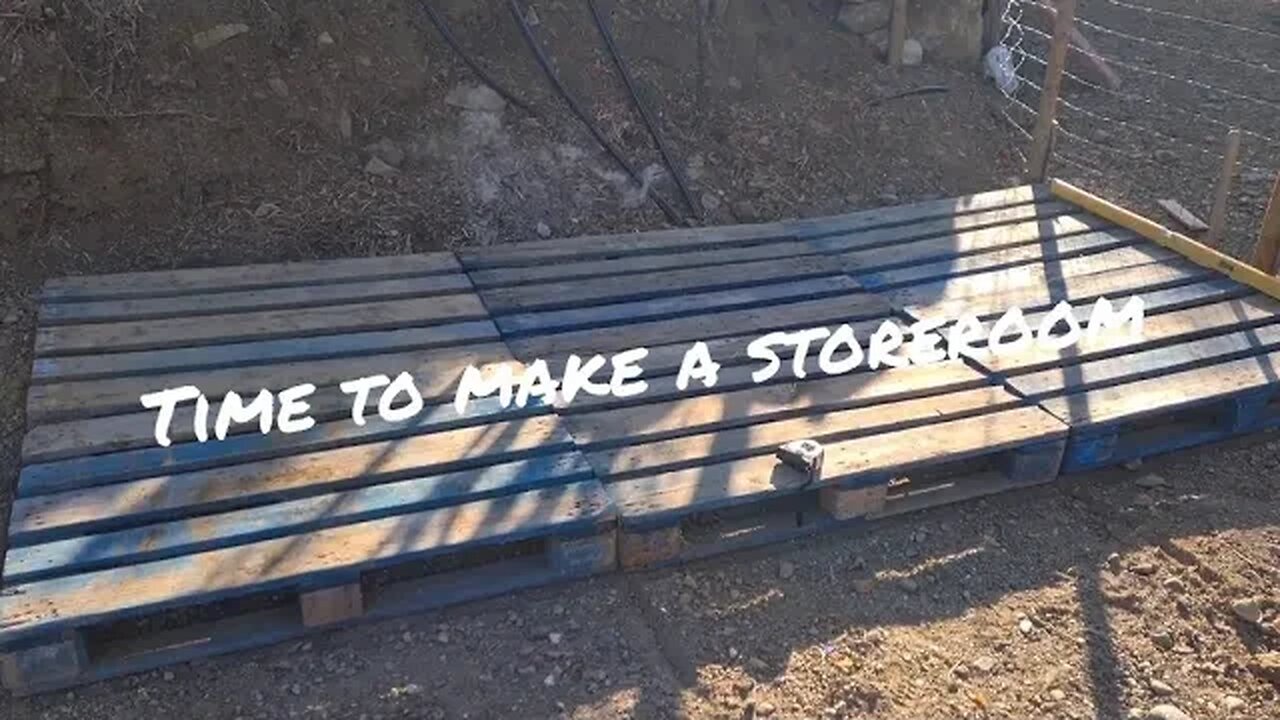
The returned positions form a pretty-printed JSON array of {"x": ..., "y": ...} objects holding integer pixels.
[
  {"x": 1199, "y": 372},
  {"x": 673, "y": 456},
  {"x": 1195, "y": 375},
  {"x": 124, "y": 555}
]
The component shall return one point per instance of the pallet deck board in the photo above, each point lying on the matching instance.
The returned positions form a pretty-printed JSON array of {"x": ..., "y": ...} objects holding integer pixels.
[
  {"x": 281, "y": 298},
  {"x": 171, "y": 283},
  {"x": 257, "y": 325},
  {"x": 436, "y": 371},
  {"x": 107, "y": 527},
  {"x": 1027, "y": 232}
]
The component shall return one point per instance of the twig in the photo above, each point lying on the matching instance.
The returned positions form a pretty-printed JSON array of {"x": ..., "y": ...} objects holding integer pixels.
[{"x": 134, "y": 115}]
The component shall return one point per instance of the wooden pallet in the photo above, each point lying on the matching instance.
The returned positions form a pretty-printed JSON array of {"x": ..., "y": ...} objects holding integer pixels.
[
  {"x": 1201, "y": 371},
  {"x": 670, "y": 456},
  {"x": 124, "y": 555}
]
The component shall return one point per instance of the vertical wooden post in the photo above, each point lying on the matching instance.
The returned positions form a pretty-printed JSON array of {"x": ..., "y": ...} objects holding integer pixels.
[
  {"x": 897, "y": 32},
  {"x": 1041, "y": 139},
  {"x": 1218, "y": 218},
  {"x": 1267, "y": 252}
]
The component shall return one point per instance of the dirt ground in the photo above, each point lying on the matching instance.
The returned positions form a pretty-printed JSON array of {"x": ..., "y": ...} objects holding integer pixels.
[{"x": 123, "y": 146}]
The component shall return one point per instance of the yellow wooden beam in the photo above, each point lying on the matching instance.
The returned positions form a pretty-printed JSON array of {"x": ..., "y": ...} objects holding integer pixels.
[{"x": 1161, "y": 235}]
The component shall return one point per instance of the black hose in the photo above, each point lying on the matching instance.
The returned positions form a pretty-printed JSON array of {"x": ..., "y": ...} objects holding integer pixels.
[
  {"x": 641, "y": 107},
  {"x": 452, "y": 42},
  {"x": 582, "y": 116}
]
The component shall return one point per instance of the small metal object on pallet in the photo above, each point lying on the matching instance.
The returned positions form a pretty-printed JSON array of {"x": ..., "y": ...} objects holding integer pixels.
[{"x": 805, "y": 456}]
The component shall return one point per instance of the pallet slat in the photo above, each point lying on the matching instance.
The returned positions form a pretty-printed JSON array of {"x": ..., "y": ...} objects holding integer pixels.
[
  {"x": 436, "y": 373},
  {"x": 261, "y": 325},
  {"x": 904, "y": 254},
  {"x": 245, "y": 277},
  {"x": 281, "y": 298}
]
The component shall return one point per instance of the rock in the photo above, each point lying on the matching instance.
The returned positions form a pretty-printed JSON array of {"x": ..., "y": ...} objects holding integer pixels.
[
  {"x": 1057, "y": 695},
  {"x": 378, "y": 166},
  {"x": 1255, "y": 176},
  {"x": 743, "y": 685},
  {"x": 1248, "y": 610},
  {"x": 1175, "y": 585},
  {"x": 866, "y": 17},
  {"x": 1165, "y": 712},
  {"x": 295, "y": 689},
  {"x": 168, "y": 676},
  {"x": 344, "y": 124},
  {"x": 1025, "y": 627},
  {"x": 1165, "y": 156},
  {"x": 324, "y": 39},
  {"x": 278, "y": 86},
  {"x": 217, "y": 35},
  {"x": 1143, "y": 569},
  {"x": 695, "y": 167},
  {"x": 1160, "y": 687},
  {"x": 555, "y": 638},
  {"x": 1151, "y": 481},
  {"x": 765, "y": 709},
  {"x": 786, "y": 570},
  {"x": 386, "y": 151},
  {"x": 543, "y": 230},
  {"x": 480, "y": 98},
  {"x": 549, "y": 680},
  {"x": 887, "y": 198},
  {"x": 985, "y": 664},
  {"x": 745, "y": 211},
  {"x": 1132, "y": 465},
  {"x": 1266, "y": 666},
  {"x": 912, "y": 52},
  {"x": 1162, "y": 639},
  {"x": 1113, "y": 562},
  {"x": 1232, "y": 704}
]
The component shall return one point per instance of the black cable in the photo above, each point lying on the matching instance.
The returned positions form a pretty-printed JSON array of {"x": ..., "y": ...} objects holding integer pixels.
[
  {"x": 582, "y": 116},
  {"x": 641, "y": 107},
  {"x": 452, "y": 42}
]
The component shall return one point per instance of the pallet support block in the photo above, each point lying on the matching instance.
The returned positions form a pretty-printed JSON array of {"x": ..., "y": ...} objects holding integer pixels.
[
  {"x": 645, "y": 548},
  {"x": 849, "y": 503},
  {"x": 333, "y": 605},
  {"x": 1035, "y": 464},
  {"x": 1253, "y": 409},
  {"x": 24, "y": 671},
  {"x": 582, "y": 556}
]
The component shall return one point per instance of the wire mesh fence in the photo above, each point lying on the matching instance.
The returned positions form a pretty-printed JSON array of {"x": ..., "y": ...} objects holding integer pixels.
[{"x": 1149, "y": 94}]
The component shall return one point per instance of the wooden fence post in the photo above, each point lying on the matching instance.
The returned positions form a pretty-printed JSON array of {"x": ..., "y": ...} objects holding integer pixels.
[
  {"x": 897, "y": 32},
  {"x": 1266, "y": 254},
  {"x": 1041, "y": 139},
  {"x": 1218, "y": 217}
]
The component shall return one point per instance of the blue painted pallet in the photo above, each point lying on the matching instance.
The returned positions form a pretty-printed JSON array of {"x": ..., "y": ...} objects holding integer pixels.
[{"x": 110, "y": 533}]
